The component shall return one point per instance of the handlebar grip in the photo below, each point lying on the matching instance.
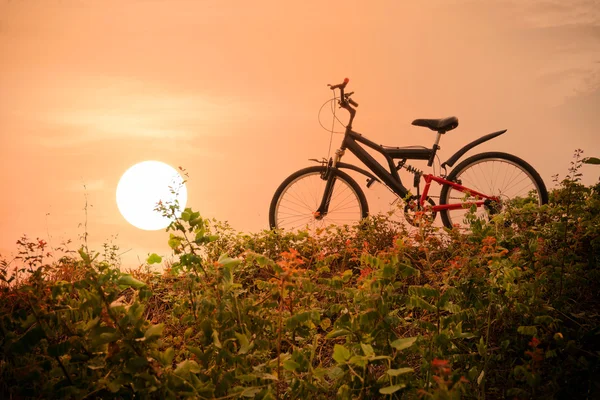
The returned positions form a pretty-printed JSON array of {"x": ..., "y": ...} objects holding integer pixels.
[
  {"x": 355, "y": 104},
  {"x": 340, "y": 85}
]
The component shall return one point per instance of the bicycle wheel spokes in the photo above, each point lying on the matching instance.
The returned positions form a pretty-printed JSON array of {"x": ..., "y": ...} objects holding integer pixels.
[
  {"x": 297, "y": 200},
  {"x": 502, "y": 175}
]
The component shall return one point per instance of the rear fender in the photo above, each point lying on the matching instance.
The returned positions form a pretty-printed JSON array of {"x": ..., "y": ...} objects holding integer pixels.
[{"x": 452, "y": 160}]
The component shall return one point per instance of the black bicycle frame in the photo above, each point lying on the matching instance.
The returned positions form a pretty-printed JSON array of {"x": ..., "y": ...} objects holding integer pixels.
[
  {"x": 352, "y": 141},
  {"x": 390, "y": 178}
]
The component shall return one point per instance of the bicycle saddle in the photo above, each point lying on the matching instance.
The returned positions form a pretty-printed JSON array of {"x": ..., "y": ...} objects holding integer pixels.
[{"x": 442, "y": 125}]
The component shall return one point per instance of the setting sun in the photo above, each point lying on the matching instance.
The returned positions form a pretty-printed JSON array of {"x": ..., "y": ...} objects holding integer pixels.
[{"x": 141, "y": 188}]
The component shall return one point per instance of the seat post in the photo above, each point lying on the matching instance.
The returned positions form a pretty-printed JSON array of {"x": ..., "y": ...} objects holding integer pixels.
[
  {"x": 435, "y": 148},
  {"x": 437, "y": 139}
]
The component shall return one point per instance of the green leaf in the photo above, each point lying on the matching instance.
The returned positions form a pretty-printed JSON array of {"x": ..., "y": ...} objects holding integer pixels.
[
  {"x": 187, "y": 367},
  {"x": 544, "y": 319},
  {"x": 154, "y": 259},
  {"x": 196, "y": 351},
  {"x": 186, "y": 214},
  {"x": 154, "y": 331},
  {"x": 269, "y": 377},
  {"x": 399, "y": 371},
  {"x": 591, "y": 160},
  {"x": 262, "y": 260},
  {"x": 216, "y": 341},
  {"x": 30, "y": 320},
  {"x": 84, "y": 256},
  {"x": 337, "y": 332},
  {"x": 174, "y": 241},
  {"x": 195, "y": 219},
  {"x": 473, "y": 372},
  {"x": 392, "y": 389},
  {"x": 347, "y": 275},
  {"x": 167, "y": 356},
  {"x": 244, "y": 343},
  {"x": 290, "y": 365},
  {"x": 367, "y": 349},
  {"x": 114, "y": 386},
  {"x": 420, "y": 303},
  {"x": 104, "y": 334},
  {"x": 360, "y": 361},
  {"x": 481, "y": 347},
  {"x": 135, "y": 312},
  {"x": 388, "y": 271},
  {"x": 340, "y": 353},
  {"x": 343, "y": 392},
  {"x": 269, "y": 395},
  {"x": 527, "y": 330},
  {"x": 423, "y": 291},
  {"x": 128, "y": 280},
  {"x": 306, "y": 318},
  {"x": 403, "y": 343},
  {"x": 227, "y": 261},
  {"x": 136, "y": 364},
  {"x": 247, "y": 377},
  {"x": 188, "y": 332},
  {"x": 406, "y": 270},
  {"x": 200, "y": 238}
]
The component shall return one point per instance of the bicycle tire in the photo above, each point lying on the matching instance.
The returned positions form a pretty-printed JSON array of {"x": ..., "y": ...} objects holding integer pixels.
[
  {"x": 521, "y": 182},
  {"x": 293, "y": 186}
]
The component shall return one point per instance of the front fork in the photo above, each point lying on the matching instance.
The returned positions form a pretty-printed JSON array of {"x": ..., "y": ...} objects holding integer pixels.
[{"x": 329, "y": 175}]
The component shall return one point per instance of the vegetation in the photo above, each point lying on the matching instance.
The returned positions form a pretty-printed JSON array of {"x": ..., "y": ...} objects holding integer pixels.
[{"x": 509, "y": 310}]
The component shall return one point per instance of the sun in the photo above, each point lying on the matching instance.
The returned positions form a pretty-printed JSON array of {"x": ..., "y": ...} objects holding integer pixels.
[{"x": 140, "y": 189}]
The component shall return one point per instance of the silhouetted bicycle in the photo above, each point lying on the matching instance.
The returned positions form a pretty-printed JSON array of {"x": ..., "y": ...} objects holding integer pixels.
[{"x": 481, "y": 185}]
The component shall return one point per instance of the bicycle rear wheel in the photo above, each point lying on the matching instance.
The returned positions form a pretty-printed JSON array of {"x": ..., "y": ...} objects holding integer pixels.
[
  {"x": 297, "y": 199},
  {"x": 494, "y": 174}
]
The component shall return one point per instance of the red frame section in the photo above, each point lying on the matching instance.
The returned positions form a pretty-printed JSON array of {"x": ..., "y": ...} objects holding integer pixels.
[{"x": 430, "y": 177}]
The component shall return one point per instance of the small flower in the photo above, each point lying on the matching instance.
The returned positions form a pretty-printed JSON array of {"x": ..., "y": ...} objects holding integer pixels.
[
  {"x": 364, "y": 273},
  {"x": 441, "y": 367},
  {"x": 534, "y": 342},
  {"x": 489, "y": 241}
]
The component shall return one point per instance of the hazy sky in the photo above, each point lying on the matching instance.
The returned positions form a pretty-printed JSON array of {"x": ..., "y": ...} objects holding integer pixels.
[{"x": 230, "y": 91}]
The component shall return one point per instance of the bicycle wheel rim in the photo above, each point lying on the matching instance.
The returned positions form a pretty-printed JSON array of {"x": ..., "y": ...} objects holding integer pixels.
[
  {"x": 493, "y": 176},
  {"x": 298, "y": 202}
]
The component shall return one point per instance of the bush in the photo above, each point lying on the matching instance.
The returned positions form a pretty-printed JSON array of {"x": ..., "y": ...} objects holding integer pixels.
[{"x": 509, "y": 309}]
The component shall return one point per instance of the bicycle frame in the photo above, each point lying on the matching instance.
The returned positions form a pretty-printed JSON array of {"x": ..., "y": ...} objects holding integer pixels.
[
  {"x": 352, "y": 141},
  {"x": 441, "y": 207}
]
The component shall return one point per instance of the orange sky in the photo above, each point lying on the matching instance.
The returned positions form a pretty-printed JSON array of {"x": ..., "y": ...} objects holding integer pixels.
[{"x": 230, "y": 91}]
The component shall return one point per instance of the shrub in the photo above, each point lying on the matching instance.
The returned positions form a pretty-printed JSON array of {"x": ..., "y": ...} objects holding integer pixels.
[{"x": 507, "y": 310}]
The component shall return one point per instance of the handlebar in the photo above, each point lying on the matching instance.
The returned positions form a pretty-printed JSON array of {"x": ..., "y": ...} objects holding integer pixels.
[
  {"x": 340, "y": 86},
  {"x": 345, "y": 100}
]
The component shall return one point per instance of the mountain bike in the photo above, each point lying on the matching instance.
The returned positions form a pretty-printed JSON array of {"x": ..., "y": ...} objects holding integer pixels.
[{"x": 480, "y": 186}]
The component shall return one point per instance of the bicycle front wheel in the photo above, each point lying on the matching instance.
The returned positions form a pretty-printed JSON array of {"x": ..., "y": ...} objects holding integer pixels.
[
  {"x": 295, "y": 203},
  {"x": 493, "y": 174}
]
